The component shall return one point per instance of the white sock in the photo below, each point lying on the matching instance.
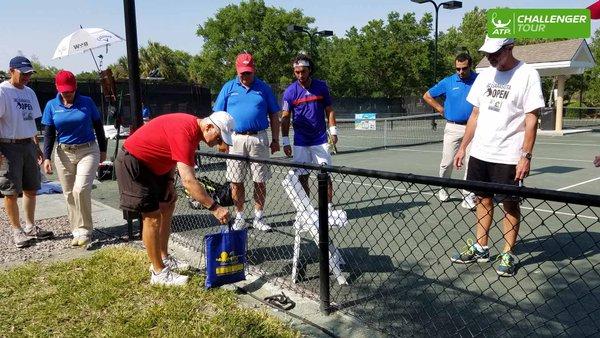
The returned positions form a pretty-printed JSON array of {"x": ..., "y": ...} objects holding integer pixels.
[
  {"x": 258, "y": 214},
  {"x": 27, "y": 227},
  {"x": 479, "y": 247}
]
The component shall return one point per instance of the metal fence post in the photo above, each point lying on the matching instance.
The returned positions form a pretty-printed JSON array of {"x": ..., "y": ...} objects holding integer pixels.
[
  {"x": 384, "y": 133},
  {"x": 322, "y": 178}
]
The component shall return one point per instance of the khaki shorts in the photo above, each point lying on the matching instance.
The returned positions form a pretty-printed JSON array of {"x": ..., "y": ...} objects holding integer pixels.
[
  {"x": 140, "y": 189},
  {"x": 255, "y": 146},
  {"x": 21, "y": 170}
]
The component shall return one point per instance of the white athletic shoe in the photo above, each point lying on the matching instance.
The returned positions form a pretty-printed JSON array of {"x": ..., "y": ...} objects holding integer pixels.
[
  {"x": 168, "y": 278},
  {"x": 175, "y": 264},
  {"x": 259, "y": 223},
  {"x": 443, "y": 195},
  {"x": 469, "y": 202},
  {"x": 239, "y": 223}
]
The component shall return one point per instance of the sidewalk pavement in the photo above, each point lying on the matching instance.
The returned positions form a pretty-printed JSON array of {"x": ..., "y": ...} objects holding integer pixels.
[
  {"x": 53, "y": 205},
  {"x": 110, "y": 221}
]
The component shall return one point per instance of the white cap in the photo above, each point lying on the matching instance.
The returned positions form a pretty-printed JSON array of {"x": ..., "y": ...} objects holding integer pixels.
[
  {"x": 225, "y": 122},
  {"x": 492, "y": 45}
]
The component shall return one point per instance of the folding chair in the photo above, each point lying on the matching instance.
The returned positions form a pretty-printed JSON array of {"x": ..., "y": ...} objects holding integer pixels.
[{"x": 307, "y": 221}]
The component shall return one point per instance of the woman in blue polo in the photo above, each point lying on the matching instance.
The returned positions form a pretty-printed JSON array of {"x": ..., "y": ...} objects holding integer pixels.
[{"x": 75, "y": 122}]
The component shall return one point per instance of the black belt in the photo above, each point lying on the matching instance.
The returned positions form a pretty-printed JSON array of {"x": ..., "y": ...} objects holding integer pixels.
[
  {"x": 462, "y": 123},
  {"x": 249, "y": 132},
  {"x": 16, "y": 141}
]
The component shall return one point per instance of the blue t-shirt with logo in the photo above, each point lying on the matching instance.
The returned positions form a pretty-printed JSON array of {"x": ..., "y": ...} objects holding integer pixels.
[
  {"x": 456, "y": 107},
  {"x": 307, "y": 106},
  {"x": 249, "y": 107},
  {"x": 74, "y": 124}
]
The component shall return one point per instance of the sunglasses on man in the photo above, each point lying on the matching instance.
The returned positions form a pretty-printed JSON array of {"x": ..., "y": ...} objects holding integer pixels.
[{"x": 458, "y": 69}]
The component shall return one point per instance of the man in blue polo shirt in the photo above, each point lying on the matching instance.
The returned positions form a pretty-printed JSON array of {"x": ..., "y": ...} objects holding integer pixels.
[
  {"x": 251, "y": 103},
  {"x": 456, "y": 111}
]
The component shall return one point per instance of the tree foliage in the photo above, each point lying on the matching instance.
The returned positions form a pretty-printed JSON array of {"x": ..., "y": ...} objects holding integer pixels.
[
  {"x": 592, "y": 76},
  {"x": 41, "y": 71},
  {"x": 253, "y": 27},
  {"x": 172, "y": 65},
  {"x": 391, "y": 57},
  {"x": 382, "y": 59}
]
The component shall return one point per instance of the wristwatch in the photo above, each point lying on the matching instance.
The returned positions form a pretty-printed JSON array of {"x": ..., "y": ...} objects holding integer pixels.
[{"x": 526, "y": 155}]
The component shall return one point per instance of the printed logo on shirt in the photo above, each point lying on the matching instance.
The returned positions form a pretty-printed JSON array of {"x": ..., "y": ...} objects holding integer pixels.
[
  {"x": 498, "y": 94},
  {"x": 456, "y": 88},
  {"x": 26, "y": 108},
  {"x": 307, "y": 99}
]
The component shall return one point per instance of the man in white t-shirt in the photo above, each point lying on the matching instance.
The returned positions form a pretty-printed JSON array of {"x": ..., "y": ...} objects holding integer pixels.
[
  {"x": 20, "y": 154},
  {"x": 506, "y": 99}
]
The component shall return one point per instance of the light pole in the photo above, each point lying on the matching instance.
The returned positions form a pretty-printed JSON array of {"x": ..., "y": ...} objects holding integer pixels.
[
  {"x": 446, "y": 5},
  {"x": 311, "y": 35}
]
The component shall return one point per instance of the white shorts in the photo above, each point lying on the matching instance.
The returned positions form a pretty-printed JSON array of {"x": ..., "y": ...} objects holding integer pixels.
[{"x": 318, "y": 154}]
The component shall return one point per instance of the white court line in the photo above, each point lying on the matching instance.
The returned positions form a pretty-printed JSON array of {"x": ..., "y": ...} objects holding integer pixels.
[
  {"x": 431, "y": 194},
  {"x": 536, "y": 157},
  {"x": 570, "y": 144},
  {"x": 578, "y": 184}
]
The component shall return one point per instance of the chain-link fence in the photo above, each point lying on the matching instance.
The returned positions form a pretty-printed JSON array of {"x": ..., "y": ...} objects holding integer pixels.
[
  {"x": 581, "y": 117},
  {"x": 381, "y": 252}
]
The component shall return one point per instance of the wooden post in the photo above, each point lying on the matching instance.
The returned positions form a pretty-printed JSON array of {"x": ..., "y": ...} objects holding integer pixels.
[{"x": 560, "y": 88}]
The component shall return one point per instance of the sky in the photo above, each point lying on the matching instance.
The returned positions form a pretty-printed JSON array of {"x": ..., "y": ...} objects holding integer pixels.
[{"x": 35, "y": 27}]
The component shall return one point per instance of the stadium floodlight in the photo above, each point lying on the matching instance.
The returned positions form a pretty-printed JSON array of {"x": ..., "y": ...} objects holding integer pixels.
[
  {"x": 296, "y": 28},
  {"x": 452, "y": 4},
  {"x": 447, "y": 5},
  {"x": 325, "y": 33},
  {"x": 311, "y": 35}
]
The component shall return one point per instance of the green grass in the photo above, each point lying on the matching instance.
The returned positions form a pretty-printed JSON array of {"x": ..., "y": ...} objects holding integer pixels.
[{"x": 108, "y": 294}]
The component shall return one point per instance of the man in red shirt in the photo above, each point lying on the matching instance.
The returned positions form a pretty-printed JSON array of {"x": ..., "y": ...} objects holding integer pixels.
[{"x": 145, "y": 172}]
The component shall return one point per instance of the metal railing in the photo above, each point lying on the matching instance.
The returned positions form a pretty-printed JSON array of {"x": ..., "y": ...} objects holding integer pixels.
[{"x": 393, "y": 253}]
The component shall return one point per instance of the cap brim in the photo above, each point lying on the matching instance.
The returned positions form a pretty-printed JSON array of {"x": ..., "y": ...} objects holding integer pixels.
[
  {"x": 26, "y": 70},
  {"x": 489, "y": 48},
  {"x": 241, "y": 70},
  {"x": 66, "y": 88},
  {"x": 227, "y": 138}
]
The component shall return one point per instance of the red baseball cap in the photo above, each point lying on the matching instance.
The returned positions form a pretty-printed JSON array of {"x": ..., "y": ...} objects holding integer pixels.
[
  {"x": 244, "y": 63},
  {"x": 65, "y": 81}
]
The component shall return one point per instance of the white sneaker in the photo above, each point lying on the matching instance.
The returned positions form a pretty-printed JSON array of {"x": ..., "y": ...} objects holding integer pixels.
[
  {"x": 443, "y": 195},
  {"x": 175, "y": 264},
  {"x": 239, "y": 223},
  {"x": 168, "y": 278},
  {"x": 469, "y": 202},
  {"x": 259, "y": 223}
]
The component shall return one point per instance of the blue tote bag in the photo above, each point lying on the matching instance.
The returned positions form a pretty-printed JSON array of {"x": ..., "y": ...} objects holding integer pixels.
[{"x": 225, "y": 257}]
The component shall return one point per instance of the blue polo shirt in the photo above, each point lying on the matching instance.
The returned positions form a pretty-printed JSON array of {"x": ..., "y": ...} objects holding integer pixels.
[
  {"x": 248, "y": 107},
  {"x": 74, "y": 124},
  {"x": 456, "y": 107}
]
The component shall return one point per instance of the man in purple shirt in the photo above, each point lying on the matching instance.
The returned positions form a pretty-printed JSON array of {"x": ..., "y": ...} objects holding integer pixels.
[{"x": 308, "y": 101}]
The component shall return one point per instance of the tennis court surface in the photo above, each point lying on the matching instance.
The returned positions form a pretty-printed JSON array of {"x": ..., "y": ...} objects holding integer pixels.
[{"x": 399, "y": 239}]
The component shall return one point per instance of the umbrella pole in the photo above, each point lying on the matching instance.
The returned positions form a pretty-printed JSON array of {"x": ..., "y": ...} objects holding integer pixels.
[{"x": 93, "y": 57}]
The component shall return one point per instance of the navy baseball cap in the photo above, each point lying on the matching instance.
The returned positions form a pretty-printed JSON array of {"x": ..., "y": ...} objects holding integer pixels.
[{"x": 22, "y": 64}]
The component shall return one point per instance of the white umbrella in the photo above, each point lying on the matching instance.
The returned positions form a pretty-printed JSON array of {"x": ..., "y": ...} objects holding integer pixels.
[{"x": 85, "y": 39}]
